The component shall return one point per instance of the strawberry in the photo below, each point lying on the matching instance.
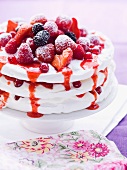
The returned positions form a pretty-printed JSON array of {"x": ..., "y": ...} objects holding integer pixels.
[
  {"x": 23, "y": 31},
  {"x": 74, "y": 28},
  {"x": 11, "y": 26},
  {"x": 61, "y": 61}
]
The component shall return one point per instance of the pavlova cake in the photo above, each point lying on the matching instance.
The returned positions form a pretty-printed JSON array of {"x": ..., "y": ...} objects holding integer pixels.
[{"x": 53, "y": 66}]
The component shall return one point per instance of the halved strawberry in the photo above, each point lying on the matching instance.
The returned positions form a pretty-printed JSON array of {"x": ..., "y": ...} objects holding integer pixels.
[
  {"x": 11, "y": 26},
  {"x": 23, "y": 31},
  {"x": 74, "y": 28},
  {"x": 61, "y": 61}
]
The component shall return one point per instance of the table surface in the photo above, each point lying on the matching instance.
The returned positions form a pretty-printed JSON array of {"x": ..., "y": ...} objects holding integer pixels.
[{"x": 109, "y": 17}]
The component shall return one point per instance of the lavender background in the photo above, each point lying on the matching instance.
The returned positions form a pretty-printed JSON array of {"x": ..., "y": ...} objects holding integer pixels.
[{"x": 107, "y": 16}]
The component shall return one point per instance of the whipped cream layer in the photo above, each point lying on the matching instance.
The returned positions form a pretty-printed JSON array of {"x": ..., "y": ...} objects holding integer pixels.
[
  {"x": 63, "y": 105},
  {"x": 47, "y": 91}
]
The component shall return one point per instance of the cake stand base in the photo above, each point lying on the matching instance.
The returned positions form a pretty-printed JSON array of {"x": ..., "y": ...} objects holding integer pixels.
[{"x": 46, "y": 127}]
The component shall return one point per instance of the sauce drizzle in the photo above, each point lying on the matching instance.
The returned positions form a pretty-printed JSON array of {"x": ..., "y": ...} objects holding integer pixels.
[
  {"x": 67, "y": 72},
  {"x": 105, "y": 72},
  {"x": 93, "y": 105}
]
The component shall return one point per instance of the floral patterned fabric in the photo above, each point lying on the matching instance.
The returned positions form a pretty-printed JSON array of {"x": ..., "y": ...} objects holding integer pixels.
[{"x": 68, "y": 151}]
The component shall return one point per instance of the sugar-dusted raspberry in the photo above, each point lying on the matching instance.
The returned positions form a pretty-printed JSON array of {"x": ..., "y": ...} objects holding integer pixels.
[
  {"x": 62, "y": 42},
  {"x": 41, "y": 38},
  {"x": 11, "y": 46},
  {"x": 60, "y": 32},
  {"x": 45, "y": 53},
  {"x": 12, "y": 59},
  {"x": 30, "y": 42},
  {"x": 79, "y": 52},
  {"x": 63, "y": 22},
  {"x": 44, "y": 67},
  {"x": 51, "y": 27},
  {"x": 63, "y": 60},
  {"x": 38, "y": 18},
  {"x": 24, "y": 54},
  {"x": 95, "y": 40},
  {"x": 84, "y": 42},
  {"x": 83, "y": 32},
  {"x": 37, "y": 27},
  {"x": 4, "y": 38}
]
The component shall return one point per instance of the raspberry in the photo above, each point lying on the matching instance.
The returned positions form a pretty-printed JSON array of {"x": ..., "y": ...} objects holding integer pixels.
[
  {"x": 11, "y": 46},
  {"x": 63, "y": 23},
  {"x": 44, "y": 67},
  {"x": 37, "y": 27},
  {"x": 45, "y": 53},
  {"x": 24, "y": 54},
  {"x": 18, "y": 83},
  {"x": 41, "y": 38},
  {"x": 71, "y": 35},
  {"x": 51, "y": 27},
  {"x": 84, "y": 42},
  {"x": 62, "y": 42},
  {"x": 95, "y": 40},
  {"x": 12, "y": 59},
  {"x": 77, "y": 84},
  {"x": 83, "y": 32},
  {"x": 79, "y": 52},
  {"x": 63, "y": 60},
  {"x": 98, "y": 90},
  {"x": 4, "y": 38},
  {"x": 38, "y": 18},
  {"x": 30, "y": 42}
]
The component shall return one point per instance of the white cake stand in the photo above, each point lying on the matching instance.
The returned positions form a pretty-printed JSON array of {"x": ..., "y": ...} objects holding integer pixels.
[{"x": 56, "y": 123}]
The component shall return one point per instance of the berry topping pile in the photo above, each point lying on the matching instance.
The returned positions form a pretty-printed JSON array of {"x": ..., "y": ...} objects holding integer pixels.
[{"x": 55, "y": 42}]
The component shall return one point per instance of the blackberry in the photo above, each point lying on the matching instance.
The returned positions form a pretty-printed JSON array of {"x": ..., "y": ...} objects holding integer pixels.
[
  {"x": 37, "y": 27},
  {"x": 41, "y": 38},
  {"x": 71, "y": 35}
]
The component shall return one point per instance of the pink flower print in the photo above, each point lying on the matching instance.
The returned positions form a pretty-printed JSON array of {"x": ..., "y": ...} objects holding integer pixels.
[
  {"x": 111, "y": 165},
  {"x": 39, "y": 145},
  {"x": 80, "y": 156},
  {"x": 81, "y": 145},
  {"x": 98, "y": 150}
]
